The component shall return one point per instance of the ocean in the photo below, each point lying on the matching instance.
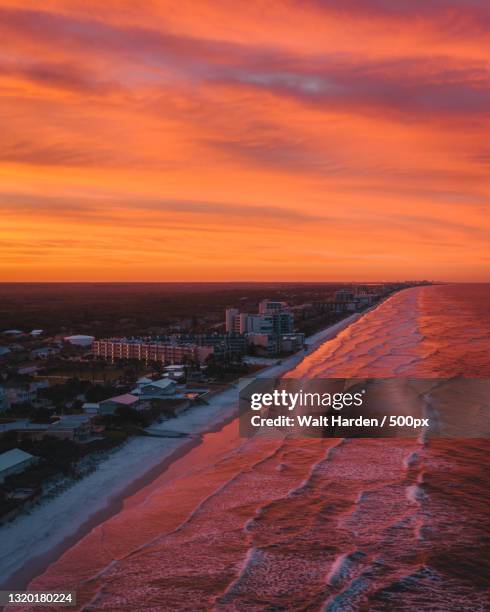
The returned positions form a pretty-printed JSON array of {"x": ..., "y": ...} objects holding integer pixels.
[{"x": 315, "y": 524}]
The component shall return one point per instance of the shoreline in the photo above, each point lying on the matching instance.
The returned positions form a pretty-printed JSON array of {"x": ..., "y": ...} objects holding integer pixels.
[{"x": 67, "y": 518}]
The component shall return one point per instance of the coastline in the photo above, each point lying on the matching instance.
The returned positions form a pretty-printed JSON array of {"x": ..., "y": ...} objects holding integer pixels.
[{"x": 34, "y": 540}]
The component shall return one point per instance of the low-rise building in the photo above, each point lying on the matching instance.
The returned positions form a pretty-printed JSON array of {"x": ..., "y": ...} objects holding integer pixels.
[
  {"x": 156, "y": 389},
  {"x": 30, "y": 431},
  {"x": 20, "y": 393},
  {"x": 228, "y": 345},
  {"x": 91, "y": 407},
  {"x": 110, "y": 406},
  {"x": 291, "y": 343},
  {"x": 163, "y": 352},
  {"x": 264, "y": 344},
  {"x": 80, "y": 340},
  {"x": 77, "y": 427},
  {"x": 15, "y": 461}
]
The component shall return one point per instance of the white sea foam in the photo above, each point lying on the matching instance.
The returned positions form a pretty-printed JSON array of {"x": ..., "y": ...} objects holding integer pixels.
[{"x": 415, "y": 494}]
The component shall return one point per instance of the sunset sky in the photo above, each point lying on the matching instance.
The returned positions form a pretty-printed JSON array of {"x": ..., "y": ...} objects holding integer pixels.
[{"x": 244, "y": 140}]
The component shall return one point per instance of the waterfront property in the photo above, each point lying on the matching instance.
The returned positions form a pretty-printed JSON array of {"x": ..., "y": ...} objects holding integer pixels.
[
  {"x": 127, "y": 400},
  {"x": 155, "y": 389},
  {"x": 269, "y": 332},
  {"x": 15, "y": 461},
  {"x": 163, "y": 352}
]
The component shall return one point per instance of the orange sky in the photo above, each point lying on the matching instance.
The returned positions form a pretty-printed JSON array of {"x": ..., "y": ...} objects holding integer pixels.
[{"x": 244, "y": 140}]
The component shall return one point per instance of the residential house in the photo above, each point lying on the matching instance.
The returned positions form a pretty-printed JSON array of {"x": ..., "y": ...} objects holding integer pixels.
[
  {"x": 156, "y": 389},
  {"x": 128, "y": 400},
  {"x": 77, "y": 427},
  {"x": 15, "y": 461}
]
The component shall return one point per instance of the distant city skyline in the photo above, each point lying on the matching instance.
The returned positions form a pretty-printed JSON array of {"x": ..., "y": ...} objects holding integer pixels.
[{"x": 245, "y": 141}]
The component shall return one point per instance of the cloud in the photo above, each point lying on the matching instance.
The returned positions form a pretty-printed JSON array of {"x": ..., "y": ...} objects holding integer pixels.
[
  {"x": 63, "y": 76},
  {"x": 54, "y": 154},
  {"x": 111, "y": 208},
  {"x": 355, "y": 128},
  {"x": 286, "y": 155},
  {"x": 410, "y": 85}
]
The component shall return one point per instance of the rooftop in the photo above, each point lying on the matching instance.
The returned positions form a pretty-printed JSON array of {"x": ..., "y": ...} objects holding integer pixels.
[
  {"x": 163, "y": 383},
  {"x": 126, "y": 399},
  {"x": 12, "y": 458},
  {"x": 71, "y": 421}
]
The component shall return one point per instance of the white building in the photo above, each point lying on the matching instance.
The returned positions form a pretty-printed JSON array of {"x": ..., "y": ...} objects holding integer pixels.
[
  {"x": 273, "y": 317},
  {"x": 15, "y": 461},
  {"x": 244, "y": 323}
]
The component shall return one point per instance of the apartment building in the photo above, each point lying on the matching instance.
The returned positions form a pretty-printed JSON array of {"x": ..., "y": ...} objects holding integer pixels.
[
  {"x": 273, "y": 318},
  {"x": 164, "y": 352}
]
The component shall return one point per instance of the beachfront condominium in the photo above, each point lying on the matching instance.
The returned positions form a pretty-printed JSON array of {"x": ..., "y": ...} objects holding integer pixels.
[
  {"x": 164, "y": 352},
  {"x": 273, "y": 318}
]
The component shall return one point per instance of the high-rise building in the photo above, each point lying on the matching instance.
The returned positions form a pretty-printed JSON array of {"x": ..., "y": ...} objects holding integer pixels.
[
  {"x": 344, "y": 295},
  {"x": 283, "y": 323},
  {"x": 273, "y": 320},
  {"x": 230, "y": 316},
  {"x": 272, "y": 307}
]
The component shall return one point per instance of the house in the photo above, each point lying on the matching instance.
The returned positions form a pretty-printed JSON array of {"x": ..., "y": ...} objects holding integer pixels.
[
  {"x": 77, "y": 427},
  {"x": 157, "y": 389},
  {"x": 30, "y": 431},
  {"x": 91, "y": 407},
  {"x": 44, "y": 353},
  {"x": 109, "y": 406},
  {"x": 15, "y": 461},
  {"x": 20, "y": 393}
]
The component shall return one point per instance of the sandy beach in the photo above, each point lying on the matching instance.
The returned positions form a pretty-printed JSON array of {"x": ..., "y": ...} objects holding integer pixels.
[{"x": 32, "y": 541}]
